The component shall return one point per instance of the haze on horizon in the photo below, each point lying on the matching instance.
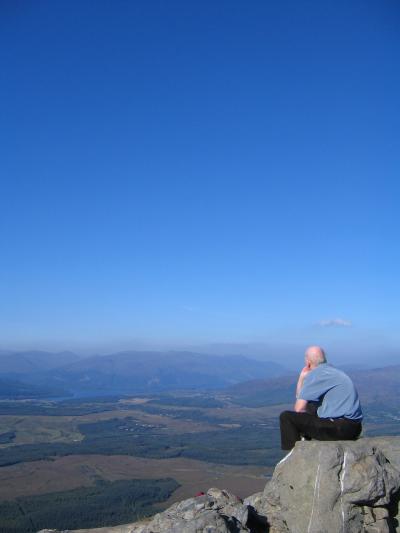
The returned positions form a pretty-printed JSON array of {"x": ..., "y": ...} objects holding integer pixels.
[{"x": 197, "y": 174}]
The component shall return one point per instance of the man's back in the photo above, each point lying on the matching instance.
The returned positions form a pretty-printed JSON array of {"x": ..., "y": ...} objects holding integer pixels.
[{"x": 335, "y": 390}]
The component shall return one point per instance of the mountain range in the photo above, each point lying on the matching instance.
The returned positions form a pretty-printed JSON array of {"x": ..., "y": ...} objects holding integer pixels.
[
  {"x": 35, "y": 374},
  {"x": 130, "y": 372}
]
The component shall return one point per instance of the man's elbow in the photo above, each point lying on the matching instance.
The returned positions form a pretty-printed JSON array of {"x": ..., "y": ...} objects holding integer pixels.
[{"x": 300, "y": 406}]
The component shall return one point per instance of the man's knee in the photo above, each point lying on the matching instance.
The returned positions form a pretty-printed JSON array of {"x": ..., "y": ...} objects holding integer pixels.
[{"x": 285, "y": 415}]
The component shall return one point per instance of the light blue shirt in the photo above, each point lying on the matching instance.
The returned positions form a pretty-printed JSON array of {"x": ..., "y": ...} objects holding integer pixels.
[{"x": 334, "y": 390}]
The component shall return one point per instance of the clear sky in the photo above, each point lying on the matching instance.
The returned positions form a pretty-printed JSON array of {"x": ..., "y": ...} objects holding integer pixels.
[{"x": 195, "y": 172}]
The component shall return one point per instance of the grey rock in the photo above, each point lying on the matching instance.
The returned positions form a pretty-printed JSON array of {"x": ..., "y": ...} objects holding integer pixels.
[
  {"x": 256, "y": 501},
  {"x": 322, "y": 487},
  {"x": 218, "y": 511}
]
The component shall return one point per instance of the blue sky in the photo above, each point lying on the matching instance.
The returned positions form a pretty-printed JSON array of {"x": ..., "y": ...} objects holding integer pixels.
[{"x": 195, "y": 172}]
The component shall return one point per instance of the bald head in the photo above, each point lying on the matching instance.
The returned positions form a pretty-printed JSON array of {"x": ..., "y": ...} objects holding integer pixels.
[{"x": 315, "y": 355}]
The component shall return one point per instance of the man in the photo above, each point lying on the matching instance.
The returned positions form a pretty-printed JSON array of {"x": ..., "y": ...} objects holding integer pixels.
[{"x": 338, "y": 415}]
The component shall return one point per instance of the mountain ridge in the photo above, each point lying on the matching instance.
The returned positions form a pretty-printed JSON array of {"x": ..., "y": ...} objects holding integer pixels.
[{"x": 131, "y": 372}]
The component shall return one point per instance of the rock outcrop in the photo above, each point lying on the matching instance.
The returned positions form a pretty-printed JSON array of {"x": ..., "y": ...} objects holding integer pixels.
[
  {"x": 319, "y": 487},
  {"x": 338, "y": 487}
]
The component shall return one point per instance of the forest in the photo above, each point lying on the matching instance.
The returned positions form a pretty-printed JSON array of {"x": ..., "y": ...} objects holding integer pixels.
[{"x": 105, "y": 503}]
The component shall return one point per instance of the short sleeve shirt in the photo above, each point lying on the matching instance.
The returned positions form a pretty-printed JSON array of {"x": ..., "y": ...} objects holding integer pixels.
[{"x": 335, "y": 392}]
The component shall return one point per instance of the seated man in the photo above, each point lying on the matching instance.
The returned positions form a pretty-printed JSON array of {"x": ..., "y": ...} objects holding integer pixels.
[{"x": 339, "y": 414}]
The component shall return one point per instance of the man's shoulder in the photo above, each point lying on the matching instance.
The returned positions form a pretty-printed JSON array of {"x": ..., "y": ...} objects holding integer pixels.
[
  {"x": 326, "y": 371},
  {"x": 316, "y": 375},
  {"x": 326, "y": 368},
  {"x": 338, "y": 372},
  {"x": 335, "y": 375},
  {"x": 322, "y": 369}
]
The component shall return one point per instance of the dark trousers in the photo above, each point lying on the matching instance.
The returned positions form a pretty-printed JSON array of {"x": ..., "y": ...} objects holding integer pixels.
[{"x": 296, "y": 425}]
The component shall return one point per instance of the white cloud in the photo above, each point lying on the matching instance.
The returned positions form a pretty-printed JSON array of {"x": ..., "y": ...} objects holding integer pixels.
[{"x": 335, "y": 322}]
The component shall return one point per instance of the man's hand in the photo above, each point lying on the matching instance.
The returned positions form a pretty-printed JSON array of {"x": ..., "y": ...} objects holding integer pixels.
[
  {"x": 305, "y": 371},
  {"x": 302, "y": 376}
]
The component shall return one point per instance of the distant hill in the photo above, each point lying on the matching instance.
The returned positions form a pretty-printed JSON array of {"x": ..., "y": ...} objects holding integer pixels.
[
  {"x": 258, "y": 392},
  {"x": 33, "y": 362},
  {"x": 18, "y": 390},
  {"x": 134, "y": 372},
  {"x": 378, "y": 386}
]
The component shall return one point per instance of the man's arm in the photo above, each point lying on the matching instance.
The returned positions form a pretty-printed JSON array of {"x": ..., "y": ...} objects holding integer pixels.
[
  {"x": 300, "y": 381},
  {"x": 301, "y": 406}
]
